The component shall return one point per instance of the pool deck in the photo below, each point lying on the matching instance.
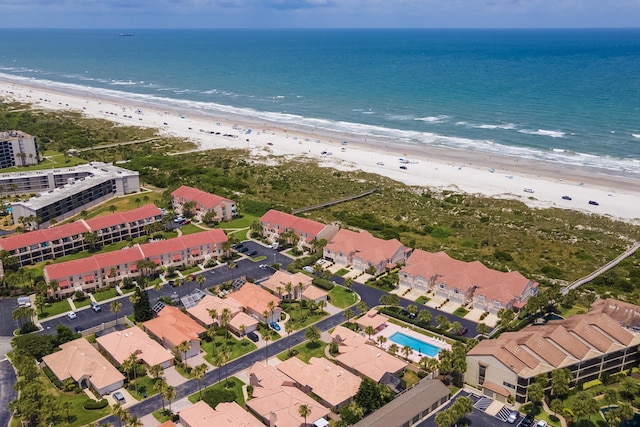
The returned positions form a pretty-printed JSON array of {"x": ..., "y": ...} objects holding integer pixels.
[{"x": 414, "y": 356}]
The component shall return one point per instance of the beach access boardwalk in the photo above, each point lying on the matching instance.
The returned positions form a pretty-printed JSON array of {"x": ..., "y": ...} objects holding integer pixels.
[
  {"x": 334, "y": 202},
  {"x": 602, "y": 269}
]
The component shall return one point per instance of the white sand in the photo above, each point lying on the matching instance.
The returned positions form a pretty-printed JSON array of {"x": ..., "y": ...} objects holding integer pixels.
[{"x": 471, "y": 172}]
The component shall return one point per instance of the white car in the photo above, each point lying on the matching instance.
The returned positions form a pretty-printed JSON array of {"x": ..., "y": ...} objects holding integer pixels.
[
  {"x": 541, "y": 423},
  {"x": 71, "y": 315},
  {"x": 513, "y": 416},
  {"x": 320, "y": 262},
  {"x": 308, "y": 269},
  {"x": 380, "y": 163},
  {"x": 528, "y": 190}
]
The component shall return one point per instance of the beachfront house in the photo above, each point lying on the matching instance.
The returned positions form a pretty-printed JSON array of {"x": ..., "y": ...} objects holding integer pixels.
[
  {"x": 589, "y": 345},
  {"x": 466, "y": 282},
  {"x": 80, "y": 361},
  {"x": 172, "y": 327},
  {"x": 276, "y": 223},
  {"x": 363, "y": 252},
  {"x": 204, "y": 203}
]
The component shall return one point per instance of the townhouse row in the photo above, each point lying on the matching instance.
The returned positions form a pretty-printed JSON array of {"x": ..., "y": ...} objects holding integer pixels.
[
  {"x": 458, "y": 281},
  {"x": 55, "y": 242},
  {"x": 110, "y": 268}
]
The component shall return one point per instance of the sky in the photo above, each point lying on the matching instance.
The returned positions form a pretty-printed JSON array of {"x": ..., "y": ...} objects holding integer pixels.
[{"x": 132, "y": 14}]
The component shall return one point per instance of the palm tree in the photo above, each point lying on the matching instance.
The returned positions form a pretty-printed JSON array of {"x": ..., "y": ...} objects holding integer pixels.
[
  {"x": 393, "y": 349},
  {"x": 482, "y": 328},
  {"x": 300, "y": 288},
  {"x": 225, "y": 318},
  {"x": 288, "y": 288},
  {"x": 112, "y": 208},
  {"x": 424, "y": 316},
  {"x": 271, "y": 306},
  {"x": 200, "y": 279},
  {"x": 362, "y": 307},
  {"x": 199, "y": 372},
  {"x": 279, "y": 290},
  {"x": 226, "y": 356},
  {"x": 288, "y": 328},
  {"x": 115, "y": 307},
  {"x": 156, "y": 371},
  {"x": 304, "y": 411},
  {"x": 406, "y": 350},
  {"x": 134, "y": 421},
  {"x": 213, "y": 313},
  {"x": 348, "y": 283},
  {"x": 381, "y": 340},
  {"x": 412, "y": 309},
  {"x": 370, "y": 330},
  {"x": 347, "y": 314},
  {"x": 159, "y": 387},
  {"x": 243, "y": 331},
  {"x": 183, "y": 348},
  {"x": 169, "y": 393},
  {"x": 131, "y": 364},
  {"x": 120, "y": 413}
]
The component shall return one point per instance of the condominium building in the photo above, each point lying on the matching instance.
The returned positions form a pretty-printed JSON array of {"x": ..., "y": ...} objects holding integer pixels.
[
  {"x": 588, "y": 345},
  {"x": 223, "y": 209},
  {"x": 103, "y": 182},
  {"x": 17, "y": 149},
  {"x": 55, "y": 242}
]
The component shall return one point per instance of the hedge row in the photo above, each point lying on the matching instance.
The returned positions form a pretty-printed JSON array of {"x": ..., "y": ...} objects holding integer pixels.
[
  {"x": 92, "y": 404},
  {"x": 323, "y": 283},
  {"x": 49, "y": 373}
]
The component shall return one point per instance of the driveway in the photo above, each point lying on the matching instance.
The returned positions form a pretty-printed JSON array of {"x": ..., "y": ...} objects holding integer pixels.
[
  {"x": 7, "y": 325},
  {"x": 477, "y": 418}
]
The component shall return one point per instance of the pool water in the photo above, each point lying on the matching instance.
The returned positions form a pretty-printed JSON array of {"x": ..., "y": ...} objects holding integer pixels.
[{"x": 417, "y": 345}]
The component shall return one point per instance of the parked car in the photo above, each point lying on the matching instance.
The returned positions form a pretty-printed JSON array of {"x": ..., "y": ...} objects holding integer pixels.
[
  {"x": 253, "y": 336},
  {"x": 594, "y": 203},
  {"x": 252, "y": 253},
  {"x": 274, "y": 326},
  {"x": 513, "y": 416},
  {"x": 243, "y": 249},
  {"x": 96, "y": 307},
  {"x": 308, "y": 268},
  {"x": 71, "y": 315},
  {"x": 320, "y": 262},
  {"x": 263, "y": 266},
  {"x": 403, "y": 167},
  {"x": 527, "y": 421},
  {"x": 79, "y": 328},
  {"x": 118, "y": 397},
  {"x": 529, "y": 190},
  {"x": 380, "y": 163},
  {"x": 274, "y": 245},
  {"x": 172, "y": 283},
  {"x": 541, "y": 423},
  {"x": 462, "y": 331},
  {"x": 566, "y": 198}
]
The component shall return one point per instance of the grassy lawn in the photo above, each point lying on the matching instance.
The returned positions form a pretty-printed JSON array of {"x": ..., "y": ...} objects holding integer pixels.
[
  {"x": 78, "y": 416},
  {"x": 240, "y": 234},
  {"x": 342, "y": 272},
  {"x": 244, "y": 221},
  {"x": 51, "y": 309},
  {"x": 258, "y": 258},
  {"x": 461, "y": 312},
  {"x": 305, "y": 318},
  {"x": 238, "y": 347},
  {"x": 410, "y": 377},
  {"x": 231, "y": 383},
  {"x": 342, "y": 297},
  {"x": 162, "y": 415},
  {"x": 54, "y": 159},
  {"x": 191, "y": 270},
  {"x": 105, "y": 295},
  {"x": 423, "y": 300},
  {"x": 306, "y": 351},
  {"x": 144, "y": 385},
  {"x": 190, "y": 229},
  {"x": 84, "y": 303}
]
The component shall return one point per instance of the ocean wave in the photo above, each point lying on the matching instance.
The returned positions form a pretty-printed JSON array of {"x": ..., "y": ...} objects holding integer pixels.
[
  {"x": 636, "y": 135},
  {"x": 433, "y": 119},
  {"x": 391, "y": 135},
  {"x": 505, "y": 126},
  {"x": 123, "y": 83},
  {"x": 543, "y": 132}
]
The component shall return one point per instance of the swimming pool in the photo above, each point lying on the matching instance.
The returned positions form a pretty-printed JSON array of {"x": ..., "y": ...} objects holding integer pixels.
[{"x": 417, "y": 345}]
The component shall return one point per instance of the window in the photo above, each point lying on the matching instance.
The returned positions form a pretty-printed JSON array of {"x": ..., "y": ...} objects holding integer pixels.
[{"x": 482, "y": 371}]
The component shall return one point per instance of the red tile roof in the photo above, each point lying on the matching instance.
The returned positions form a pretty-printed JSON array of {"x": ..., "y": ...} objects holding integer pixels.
[
  {"x": 202, "y": 198},
  {"x": 162, "y": 247},
  {"x": 70, "y": 268},
  {"x": 492, "y": 284},
  {"x": 123, "y": 256},
  {"x": 146, "y": 211},
  {"x": 292, "y": 222},
  {"x": 204, "y": 238},
  {"x": 364, "y": 245},
  {"x": 46, "y": 235}
]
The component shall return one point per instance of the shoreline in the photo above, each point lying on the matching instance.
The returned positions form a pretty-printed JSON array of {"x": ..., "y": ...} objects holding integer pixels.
[{"x": 473, "y": 172}]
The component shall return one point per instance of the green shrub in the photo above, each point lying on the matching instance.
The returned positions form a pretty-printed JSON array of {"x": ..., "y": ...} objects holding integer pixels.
[
  {"x": 215, "y": 396},
  {"x": 553, "y": 418},
  {"x": 323, "y": 283},
  {"x": 589, "y": 384},
  {"x": 92, "y": 404}
]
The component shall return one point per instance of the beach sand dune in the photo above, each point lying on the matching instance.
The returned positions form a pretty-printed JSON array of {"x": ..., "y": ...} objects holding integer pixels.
[{"x": 457, "y": 170}]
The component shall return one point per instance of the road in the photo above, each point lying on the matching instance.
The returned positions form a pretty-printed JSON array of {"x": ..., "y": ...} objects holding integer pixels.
[{"x": 7, "y": 392}]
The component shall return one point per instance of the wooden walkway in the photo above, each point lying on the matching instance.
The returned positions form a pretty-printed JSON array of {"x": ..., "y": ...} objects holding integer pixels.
[
  {"x": 602, "y": 269},
  {"x": 334, "y": 202}
]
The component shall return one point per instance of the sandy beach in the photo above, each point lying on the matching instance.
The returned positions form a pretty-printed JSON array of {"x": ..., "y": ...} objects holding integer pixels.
[{"x": 457, "y": 170}]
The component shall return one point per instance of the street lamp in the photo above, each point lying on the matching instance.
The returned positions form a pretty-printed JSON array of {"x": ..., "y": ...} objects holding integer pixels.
[{"x": 274, "y": 257}]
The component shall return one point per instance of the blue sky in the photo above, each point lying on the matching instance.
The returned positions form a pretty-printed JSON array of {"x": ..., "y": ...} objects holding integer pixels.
[{"x": 319, "y": 13}]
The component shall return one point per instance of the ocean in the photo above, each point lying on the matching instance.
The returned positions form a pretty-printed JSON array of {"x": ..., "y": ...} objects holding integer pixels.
[{"x": 564, "y": 96}]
